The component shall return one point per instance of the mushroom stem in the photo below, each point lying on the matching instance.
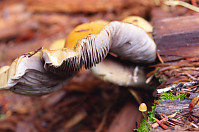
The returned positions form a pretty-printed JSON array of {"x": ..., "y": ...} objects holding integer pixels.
[{"x": 144, "y": 115}]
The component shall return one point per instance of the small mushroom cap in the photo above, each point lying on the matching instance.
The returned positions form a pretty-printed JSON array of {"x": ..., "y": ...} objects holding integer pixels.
[
  {"x": 4, "y": 69},
  {"x": 141, "y": 23},
  {"x": 142, "y": 107},
  {"x": 57, "y": 44},
  {"x": 3, "y": 75},
  {"x": 84, "y": 30}
]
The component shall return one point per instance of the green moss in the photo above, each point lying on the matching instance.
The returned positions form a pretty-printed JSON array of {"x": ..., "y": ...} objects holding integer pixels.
[
  {"x": 156, "y": 72},
  {"x": 145, "y": 125},
  {"x": 2, "y": 116},
  {"x": 161, "y": 80},
  {"x": 170, "y": 96}
]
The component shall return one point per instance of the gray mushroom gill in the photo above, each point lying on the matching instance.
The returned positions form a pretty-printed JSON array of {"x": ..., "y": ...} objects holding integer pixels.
[{"x": 46, "y": 70}]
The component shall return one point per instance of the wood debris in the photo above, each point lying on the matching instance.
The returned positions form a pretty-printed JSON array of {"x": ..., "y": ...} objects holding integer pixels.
[
  {"x": 179, "y": 77},
  {"x": 177, "y": 48}
]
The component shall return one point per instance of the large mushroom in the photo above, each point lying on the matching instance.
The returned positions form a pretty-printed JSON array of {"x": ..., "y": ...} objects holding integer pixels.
[
  {"x": 45, "y": 71},
  {"x": 120, "y": 73},
  {"x": 112, "y": 69}
]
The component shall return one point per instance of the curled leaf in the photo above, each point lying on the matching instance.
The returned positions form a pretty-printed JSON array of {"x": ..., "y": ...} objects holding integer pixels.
[{"x": 193, "y": 103}]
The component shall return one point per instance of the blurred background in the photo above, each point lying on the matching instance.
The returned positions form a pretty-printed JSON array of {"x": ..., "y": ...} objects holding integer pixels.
[{"x": 86, "y": 103}]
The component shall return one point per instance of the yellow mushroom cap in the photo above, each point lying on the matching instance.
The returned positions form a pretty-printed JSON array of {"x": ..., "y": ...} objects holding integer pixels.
[
  {"x": 142, "y": 107},
  {"x": 57, "y": 44},
  {"x": 83, "y": 30},
  {"x": 78, "y": 33},
  {"x": 4, "y": 68},
  {"x": 95, "y": 27},
  {"x": 139, "y": 22}
]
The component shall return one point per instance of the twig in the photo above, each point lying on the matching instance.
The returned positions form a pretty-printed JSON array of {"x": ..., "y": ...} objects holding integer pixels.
[
  {"x": 154, "y": 125},
  {"x": 164, "y": 119},
  {"x": 182, "y": 3},
  {"x": 159, "y": 57},
  {"x": 171, "y": 123},
  {"x": 167, "y": 88},
  {"x": 194, "y": 125},
  {"x": 148, "y": 80},
  {"x": 160, "y": 123},
  {"x": 175, "y": 121},
  {"x": 187, "y": 84}
]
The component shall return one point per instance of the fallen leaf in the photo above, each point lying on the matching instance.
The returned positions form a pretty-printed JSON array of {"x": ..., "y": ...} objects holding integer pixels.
[{"x": 193, "y": 103}]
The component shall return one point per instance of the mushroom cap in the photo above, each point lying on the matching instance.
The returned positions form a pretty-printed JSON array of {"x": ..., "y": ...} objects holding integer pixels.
[
  {"x": 27, "y": 76},
  {"x": 96, "y": 26},
  {"x": 4, "y": 69},
  {"x": 142, "y": 107},
  {"x": 139, "y": 22},
  {"x": 57, "y": 44},
  {"x": 109, "y": 69},
  {"x": 121, "y": 74},
  {"x": 83, "y": 30}
]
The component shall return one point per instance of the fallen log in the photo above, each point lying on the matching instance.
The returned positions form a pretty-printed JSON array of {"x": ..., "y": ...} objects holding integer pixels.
[
  {"x": 177, "y": 38},
  {"x": 169, "y": 107},
  {"x": 178, "y": 45}
]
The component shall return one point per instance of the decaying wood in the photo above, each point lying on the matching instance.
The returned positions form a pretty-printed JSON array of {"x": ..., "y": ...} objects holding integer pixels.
[
  {"x": 169, "y": 107},
  {"x": 177, "y": 38},
  {"x": 183, "y": 118},
  {"x": 158, "y": 13},
  {"x": 193, "y": 95}
]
